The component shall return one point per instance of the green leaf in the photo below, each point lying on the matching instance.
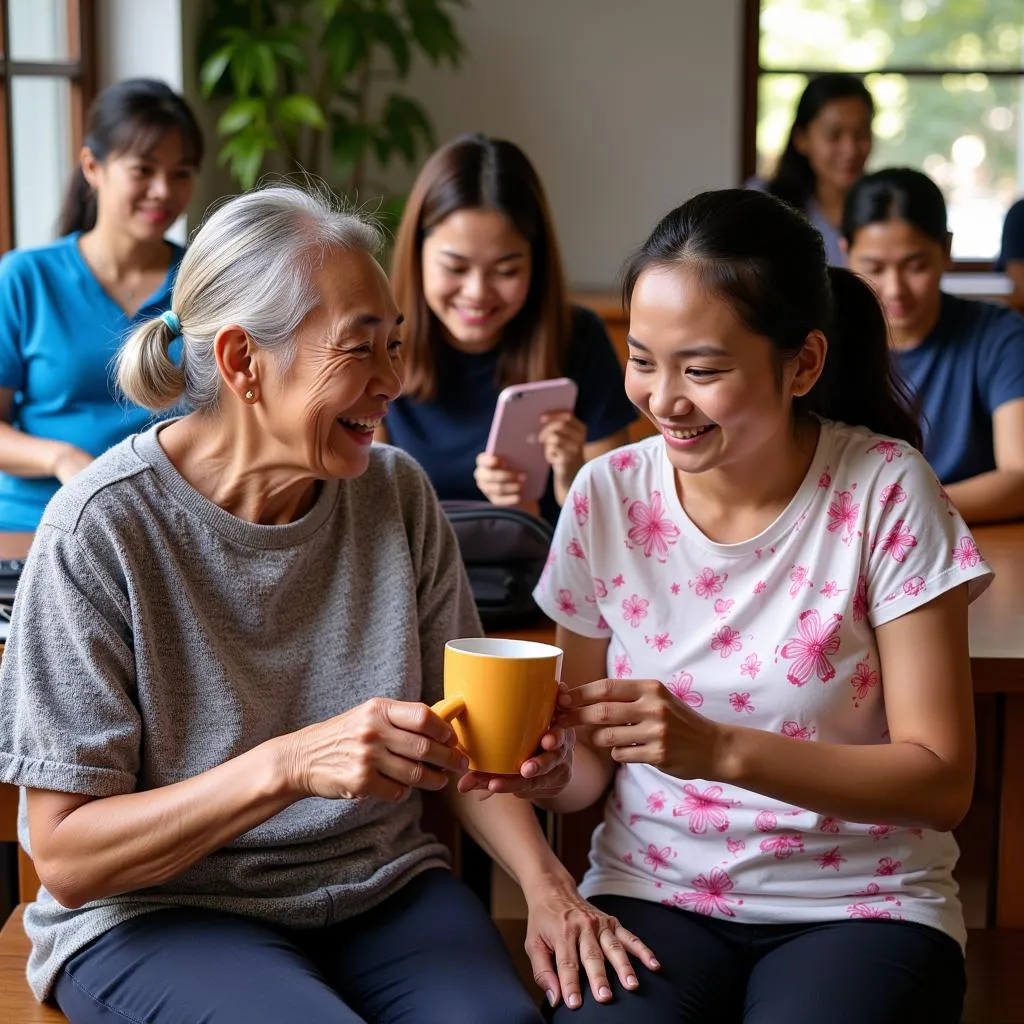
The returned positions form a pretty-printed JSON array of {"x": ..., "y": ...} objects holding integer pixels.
[
  {"x": 244, "y": 154},
  {"x": 415, "y": 116},
  {"x": 214, "y": 67},
  {"x": 345, "y": 43},
  {"x": 348, "y": 143},
  {"x": 382, "y": 147},
  {"x": 266, "y": 69},
  {"x": 389, "y": 34},
  {"x": 435, "y": 32},
  {"x": 289, "y": 53},
  {"x": 243, "y": 69},
  {"x": 300, "y": 108},
  {"x": 240, "y": 114}
]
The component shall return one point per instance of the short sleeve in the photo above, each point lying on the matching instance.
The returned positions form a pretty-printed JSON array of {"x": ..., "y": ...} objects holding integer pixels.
[
  {"x": 602, "y": 404},
  {"x": 1013, "y": 235},
  {"x": 13, "y": 320},
  {"x": 918, "y": 547},
  {"x": 1001, "y": 360},
  {"x": 68, "y": 721},
  {"x": 566, "y": 592}
]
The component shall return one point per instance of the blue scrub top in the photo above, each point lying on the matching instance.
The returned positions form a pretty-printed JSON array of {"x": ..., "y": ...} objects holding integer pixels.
[
  {"x": 970, "y": 364},
  {"x": 59, "y": 332},
  {"x": 446, "y": 434}
]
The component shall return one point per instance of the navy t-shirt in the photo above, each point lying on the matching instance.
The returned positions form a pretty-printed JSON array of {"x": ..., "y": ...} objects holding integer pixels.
[
  {"x": 971, "y": 363},
  {"x": 446, "y": 434},
  {"x": 1012, "y": 247}
]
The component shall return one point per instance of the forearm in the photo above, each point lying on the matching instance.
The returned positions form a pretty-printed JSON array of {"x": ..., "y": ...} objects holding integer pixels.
[
  {"x": 592, "y": 770},
  {"x": 989, "y": 497},
  {"x": 123, "y": 843},
  {"x": 889, "y": 783},
  {"x": 22, "y": 454}
]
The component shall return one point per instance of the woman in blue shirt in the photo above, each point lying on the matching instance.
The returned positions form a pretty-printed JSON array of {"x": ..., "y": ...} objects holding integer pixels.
[
  {"x": 65, "y": 307},
  {"x": 964, "y": 360},
  {"x": 828, "y": 146},
  {"x": 477, "y": 273}
]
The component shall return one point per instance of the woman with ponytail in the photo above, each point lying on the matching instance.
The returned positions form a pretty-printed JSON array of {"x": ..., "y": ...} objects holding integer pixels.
[
  {"x": 65, "y": 307},
  {"x": 763, "y": 611}
]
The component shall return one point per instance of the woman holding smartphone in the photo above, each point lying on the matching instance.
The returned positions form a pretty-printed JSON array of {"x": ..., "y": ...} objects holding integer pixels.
[{"x": 477, "y": 273}]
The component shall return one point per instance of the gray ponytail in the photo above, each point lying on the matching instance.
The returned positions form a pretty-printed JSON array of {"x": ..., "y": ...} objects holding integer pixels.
[{"x": 252, "y": 263}]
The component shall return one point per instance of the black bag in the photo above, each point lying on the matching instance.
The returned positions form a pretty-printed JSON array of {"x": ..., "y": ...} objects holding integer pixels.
[{"x": 504, "y": 551}]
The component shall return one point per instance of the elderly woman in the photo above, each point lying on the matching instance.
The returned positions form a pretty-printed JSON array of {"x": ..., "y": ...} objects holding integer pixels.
[{"x": 215, "y": 687}]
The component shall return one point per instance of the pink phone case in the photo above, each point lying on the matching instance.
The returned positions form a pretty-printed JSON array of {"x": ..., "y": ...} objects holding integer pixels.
[{"x": 516, "y": 425}]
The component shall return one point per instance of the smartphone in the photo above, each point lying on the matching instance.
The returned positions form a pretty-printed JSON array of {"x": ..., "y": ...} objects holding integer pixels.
[{"x": 516, "y": 425}]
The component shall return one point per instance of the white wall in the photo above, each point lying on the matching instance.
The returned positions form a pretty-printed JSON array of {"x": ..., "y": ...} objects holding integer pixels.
[
  {"x": 626, "y": 107},
  {"x": 139, "y": 39}
]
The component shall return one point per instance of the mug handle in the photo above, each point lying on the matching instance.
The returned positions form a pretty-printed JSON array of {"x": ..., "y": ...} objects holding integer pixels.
[{"x": 449, "y": 708}]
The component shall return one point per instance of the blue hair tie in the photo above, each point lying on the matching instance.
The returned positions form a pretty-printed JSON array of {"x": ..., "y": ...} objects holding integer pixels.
[{"x": 172, "y": 321}]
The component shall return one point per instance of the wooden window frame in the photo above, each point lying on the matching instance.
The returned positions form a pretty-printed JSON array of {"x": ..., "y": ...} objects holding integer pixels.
[
  {"x": 752, "y": 72},
  {"x": 79, "y": 69}
]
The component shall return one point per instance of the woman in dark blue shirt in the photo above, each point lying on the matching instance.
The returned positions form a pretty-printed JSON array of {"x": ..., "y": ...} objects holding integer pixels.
[
  {"x": 964, "y": 360},
  {"x": 477, "y": 273}
]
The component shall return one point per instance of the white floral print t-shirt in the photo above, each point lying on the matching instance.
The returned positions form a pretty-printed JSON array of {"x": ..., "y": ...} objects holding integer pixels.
[{"x": 776, "y": 633}]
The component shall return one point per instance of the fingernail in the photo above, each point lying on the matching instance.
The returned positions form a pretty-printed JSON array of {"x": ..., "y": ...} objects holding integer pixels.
[
  {"x": 604, "y": 992},
  {"x": 464, "y": 763},
  {"x": 573, "y": 1000},
  {"x": 529, "y": 770},
  {"x": 654, "y": 963},
  {"x": 564, "y": 700},
  {"x": 551, "y": 997},
  {"x": 630, "y": 981}
]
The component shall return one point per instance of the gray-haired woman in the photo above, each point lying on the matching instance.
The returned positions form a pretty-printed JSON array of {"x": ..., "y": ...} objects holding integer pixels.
[{"x": 216, "y": 681}]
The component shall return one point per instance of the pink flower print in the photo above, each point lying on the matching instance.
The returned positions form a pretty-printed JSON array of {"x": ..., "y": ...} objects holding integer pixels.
[
  {"x": 796, "y": 731},
  {"x": 889, "y": 450},
  {"x": 873, "y": 889},
  {"x": 966, "y": 553},
  {"x": 710, "y": 896},
  {"x": 633, "y": 819},
  {"x": 621, "y": 667},
  {"x": 863, "y": 912},
  {"x": 919, "y": 833},
  {"x": 580, "y": 507},
  {"x": 812, "y": 648},
  {"x": 864, "y": 680},
  {"x": 575, "y": 549},
  {"x": 628, "y": 858},
  {"x": 883, "y": 831},
  {"x": 723, "y": 606},
  {"x": 760, "y": 587},
  {"x": 681, "y": 684},
  {"x": 830, "y": 859},
  {"x": 602, "y": 622},
  {"x": 913, "y": 586},
  {"x": 782, "y": 847},
  {"x": 618, "y": 581},
  {"x": 741, "y": 702},
  {"x": 831, "y": 589},
  {"x": 675, "y": 588},
  {"x": 726, "y": 641},
  {"x": 898, "y": 541},
  {"x": 566, "y": 603},
  {"x": 600, "y": 591},
  {"x": 707, "y": 582},
  {"x": 892, "y": 496},
  {"x": 656, "y": 802},
  {"x": 798, "y": 580},
  {"x": 766, "y": 821},
  {"x": 735, "y": 845},
  {"x": 703, "y": 809},
  {"x": 888, "y": 866},
  {"x": 634, "y": 609},
  {"x": 830, "y": 825},
  {"x": 660, "y": 641},
  {"x": 842, "y": 515},
  {"x": 860, "y": 599},
  {"x": 658, "y": 858},
  {"x": 800, "y": 522},
  {"x": 652, "y": 531},
  {"x": 550, "y": 561},
  {"x": 622, "y": 461},
  {"x": 825, "y": 480},
  {"x": 750, "y": 667}
]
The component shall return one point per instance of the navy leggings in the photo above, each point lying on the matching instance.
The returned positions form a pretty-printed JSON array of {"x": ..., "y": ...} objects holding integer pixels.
[
  {"x": 846, "y": 972},
  {"x": 427, "y": 955}
]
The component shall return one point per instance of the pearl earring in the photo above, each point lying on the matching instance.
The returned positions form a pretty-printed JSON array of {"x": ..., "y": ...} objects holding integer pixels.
[{"x": 250, "y": 395}]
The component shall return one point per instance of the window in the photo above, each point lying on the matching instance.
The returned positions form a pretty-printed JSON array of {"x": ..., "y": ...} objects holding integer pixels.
[
  {"x": 47, "y": 80},
  {"x": 947, "y": 77}
]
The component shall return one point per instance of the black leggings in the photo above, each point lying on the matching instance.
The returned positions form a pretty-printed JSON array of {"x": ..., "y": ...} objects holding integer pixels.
[{"x": 720, "y": 972}]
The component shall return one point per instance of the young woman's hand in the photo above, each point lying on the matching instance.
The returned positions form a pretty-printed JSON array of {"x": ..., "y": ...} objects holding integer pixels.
[
  {"x": 563, "y": 437},
  {"x": 563, "y": 930},
  {"x": 500, "y": 484},
  {"x": 69, "y": 462},
  {"x": 540, "y": 777},
  {"x": 641, "y": 722},
  {"x": 382, "y": 748}
]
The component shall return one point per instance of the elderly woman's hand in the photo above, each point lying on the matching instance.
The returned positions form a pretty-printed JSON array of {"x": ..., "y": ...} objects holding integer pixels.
[
  {"x": 383, "y": 748},
  {"x": 544, "y": 775}
]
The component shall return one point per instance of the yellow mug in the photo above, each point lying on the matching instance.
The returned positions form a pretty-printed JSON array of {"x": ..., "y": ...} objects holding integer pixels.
[{"x": 499, "y": 696}]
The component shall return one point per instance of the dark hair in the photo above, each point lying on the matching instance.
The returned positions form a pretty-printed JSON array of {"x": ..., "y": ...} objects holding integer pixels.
[
  {"x": 477, "y": 172},
  {"x": 794, "y": 179},
  {"x": 897, "y": 193},
  {"x": 128, "y": 117},
  {"x": 767, "y": 262}
]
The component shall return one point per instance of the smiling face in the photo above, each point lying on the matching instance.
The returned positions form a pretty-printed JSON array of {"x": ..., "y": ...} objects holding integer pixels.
[
  {"x": 324, "y": 408},
  {"x": 142, "y": 194},
  {"x": 476, "y": 276},
  {"x": 705, "y": 380},
  {"x": 905, "y": 268},
  {"x": 837, "y": 142}
]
